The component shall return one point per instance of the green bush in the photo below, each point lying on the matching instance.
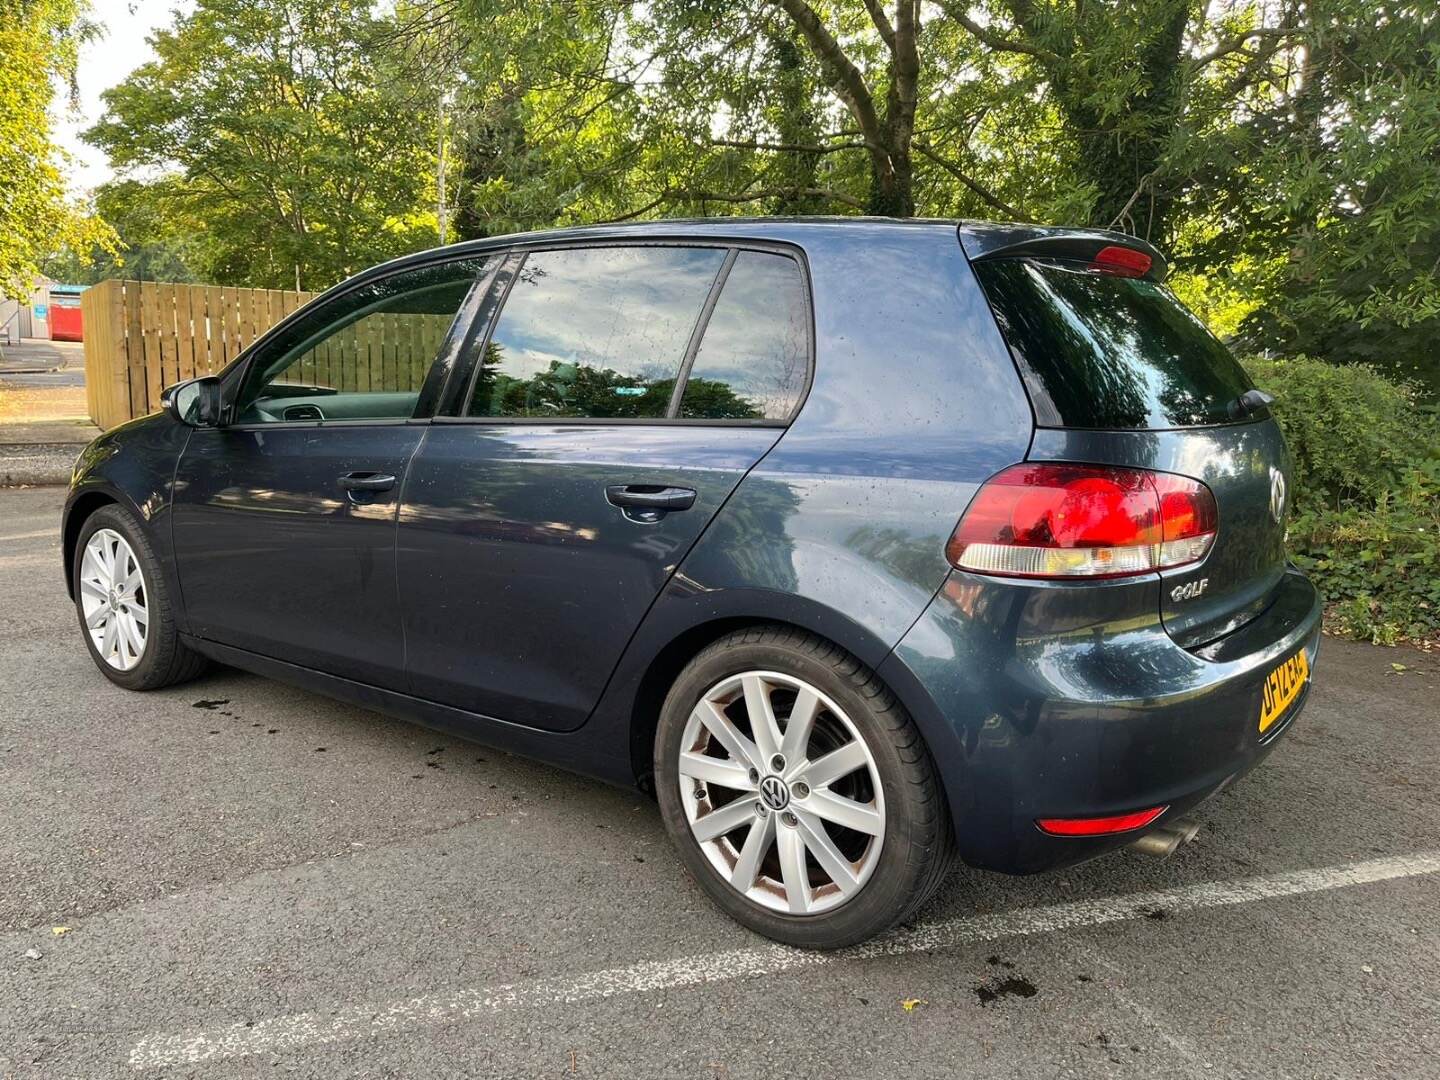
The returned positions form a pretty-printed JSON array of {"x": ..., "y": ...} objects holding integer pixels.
[
  {"x": 1352, "y": 431},
  {"x": 1366, "y": 522}
]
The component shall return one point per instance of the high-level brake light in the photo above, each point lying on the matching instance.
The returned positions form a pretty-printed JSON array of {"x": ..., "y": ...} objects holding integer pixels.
[
  {"x": 1051, "y": 520},
  {"x": 1121, "y": 262}
]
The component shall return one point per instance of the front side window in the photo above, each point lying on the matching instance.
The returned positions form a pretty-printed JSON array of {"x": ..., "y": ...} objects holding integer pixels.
[
  {"x": 595, "y": 332},
  {"x": 364, "y": 355},
  {"x": 754, "y": 358}
]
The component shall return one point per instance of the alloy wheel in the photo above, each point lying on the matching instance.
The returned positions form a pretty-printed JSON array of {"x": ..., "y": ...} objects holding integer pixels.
[
  {"x": 113, "y": 599},
  {"x": 781, "y": 792}
]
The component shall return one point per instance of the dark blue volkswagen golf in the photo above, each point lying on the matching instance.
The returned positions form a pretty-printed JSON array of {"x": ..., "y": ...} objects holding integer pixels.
[{"x": 863, "y": 544}]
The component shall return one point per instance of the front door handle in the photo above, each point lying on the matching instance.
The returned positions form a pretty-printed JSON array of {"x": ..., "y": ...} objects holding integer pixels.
[
  {"x": 650, "y": 497},
  {"x": 646, "y": 504},
  {"x": 367, "y": 481}
]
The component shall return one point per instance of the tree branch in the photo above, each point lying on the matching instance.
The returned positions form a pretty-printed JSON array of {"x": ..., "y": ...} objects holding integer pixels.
[
  {"x": 636, "y": 213},
  {"x": 971, "y": 183},
  {"x": 794, "y": 148},
  {"x": 1147, "y": 180},
  {"x": 845, "y": 78},
  {"x": 877, "y": 16},
  {"x": 998, "y": 41},
  {"x": 765, "y": 193},
  {"x": 1236, "y": 43}
]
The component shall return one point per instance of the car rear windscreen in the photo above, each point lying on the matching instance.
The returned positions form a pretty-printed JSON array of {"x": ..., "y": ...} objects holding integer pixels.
[{"x": 1103, "y": 351}]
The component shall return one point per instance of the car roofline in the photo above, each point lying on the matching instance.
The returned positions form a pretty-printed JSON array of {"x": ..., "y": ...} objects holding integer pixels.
[{"x": 976, "y": 237}]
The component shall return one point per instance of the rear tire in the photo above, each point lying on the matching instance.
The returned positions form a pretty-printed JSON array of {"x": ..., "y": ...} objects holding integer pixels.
[
  {"x": 127, "y": 616},
  {"x": 841, "y": 835}
]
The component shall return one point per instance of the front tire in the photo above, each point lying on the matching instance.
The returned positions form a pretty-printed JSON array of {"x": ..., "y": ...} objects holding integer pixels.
[
  {"x": 127, "y": 617},
  {"x": 798, "y": 790}
]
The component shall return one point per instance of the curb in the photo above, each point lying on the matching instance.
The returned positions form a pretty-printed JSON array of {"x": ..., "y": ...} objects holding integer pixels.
[{"x": 41, "y": 465}]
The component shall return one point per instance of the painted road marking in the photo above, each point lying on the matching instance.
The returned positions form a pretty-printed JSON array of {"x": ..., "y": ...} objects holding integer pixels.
[
  {"x": 38, "y": 534},
  {"x": 432, "y": 1010}
]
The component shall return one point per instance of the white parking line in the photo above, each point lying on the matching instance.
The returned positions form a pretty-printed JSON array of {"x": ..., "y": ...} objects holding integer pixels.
[
  {"x": 39, "y": 558},
  {"x": 38, "y": 534},
  {"x": 363, "y": 1021}
]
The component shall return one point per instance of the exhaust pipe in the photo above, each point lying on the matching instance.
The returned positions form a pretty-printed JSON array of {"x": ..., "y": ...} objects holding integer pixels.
[{"x": 1164, "y": 840}]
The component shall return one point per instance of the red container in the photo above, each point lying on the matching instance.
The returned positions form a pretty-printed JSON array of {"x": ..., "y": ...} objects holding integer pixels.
[{"x": 65, "y": 321}]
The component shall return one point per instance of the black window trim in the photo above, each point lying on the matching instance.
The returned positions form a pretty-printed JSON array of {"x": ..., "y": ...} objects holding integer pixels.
[
  {"x": 732, "y": 247},
  {"x": 697, "y": 333}
]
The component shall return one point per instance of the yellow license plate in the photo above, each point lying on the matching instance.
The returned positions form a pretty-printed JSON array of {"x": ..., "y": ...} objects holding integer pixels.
[{"x": 1283, "y": 686}]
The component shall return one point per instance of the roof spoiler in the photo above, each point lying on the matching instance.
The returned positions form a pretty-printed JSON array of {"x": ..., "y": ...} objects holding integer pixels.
[{"x": 983, "y": 240}]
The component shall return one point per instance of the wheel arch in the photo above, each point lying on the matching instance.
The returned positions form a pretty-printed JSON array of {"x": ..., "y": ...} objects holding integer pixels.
[
  {"x": 653, "y": 679},
  {"x": 79, "y": 510}
]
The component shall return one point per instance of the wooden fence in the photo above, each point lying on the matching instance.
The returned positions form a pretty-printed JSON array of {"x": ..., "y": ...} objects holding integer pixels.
[{"x": 141, "y": 337}]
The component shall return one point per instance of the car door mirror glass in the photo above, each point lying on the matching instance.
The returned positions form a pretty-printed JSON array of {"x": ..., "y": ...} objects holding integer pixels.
[{"x": 195, "y": 402}]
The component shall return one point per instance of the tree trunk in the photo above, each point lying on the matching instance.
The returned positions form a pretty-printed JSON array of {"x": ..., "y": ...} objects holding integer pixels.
[
  {"x": 796, "y": 125},
  {"x": 892, "y": 183},
  {"x": 1126, "y": 169},
  {"x": 496, "y": 140},
  {"x": 887, "y": 138}
]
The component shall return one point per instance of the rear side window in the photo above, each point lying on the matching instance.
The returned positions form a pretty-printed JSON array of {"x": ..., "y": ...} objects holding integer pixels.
[
  {"x": 1102, "y": 351},
  {"x": 754, "y": 357},
  {"x": 595, "y": 332}
]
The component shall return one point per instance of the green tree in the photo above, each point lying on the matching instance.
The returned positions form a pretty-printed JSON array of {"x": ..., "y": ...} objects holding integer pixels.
[
  {"x": 1341, "y": 206},
  {"x": 281, "y": 126},
  {"x": 38, "y": 43},
  {"x": 1043, "y": 109},
  {"x": 159, "y": 237}
]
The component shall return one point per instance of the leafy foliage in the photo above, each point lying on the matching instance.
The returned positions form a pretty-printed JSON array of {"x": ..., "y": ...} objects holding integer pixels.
[
  {"x": 159, "y": 237},
  {"x": 1343, "y": 190},
  {"x": 1367, "y": 507},
  {"x": 279, "y": 124},
  {"x": 1352, "y": 432},
  {"x": 1284, "y": 153},
  {"x": 38, "y": 41}
]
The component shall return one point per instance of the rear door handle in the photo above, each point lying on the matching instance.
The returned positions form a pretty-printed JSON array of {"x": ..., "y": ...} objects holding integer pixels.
[
  {"x": 367, "y": 481},
  {"x": 650, "y": 497}
]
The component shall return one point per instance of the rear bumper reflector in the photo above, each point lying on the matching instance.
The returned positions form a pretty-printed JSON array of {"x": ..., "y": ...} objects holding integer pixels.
[{"x": 1100, "y": 826}]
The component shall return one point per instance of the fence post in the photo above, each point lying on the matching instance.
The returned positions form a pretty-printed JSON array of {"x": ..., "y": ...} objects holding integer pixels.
[
  {"x": 92, "y": 313},
  {"x": 116, "y": 390}
]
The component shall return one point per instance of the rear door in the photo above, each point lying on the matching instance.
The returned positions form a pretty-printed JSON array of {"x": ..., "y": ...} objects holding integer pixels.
[
  {"x": 620, "y": 396},
  {"x": 1119, "y": 373}
]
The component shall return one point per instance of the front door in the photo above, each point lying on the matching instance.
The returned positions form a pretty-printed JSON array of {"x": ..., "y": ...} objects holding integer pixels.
[
  {"x": 284, "y": 519},
  {"x": 622, "y": 395}
]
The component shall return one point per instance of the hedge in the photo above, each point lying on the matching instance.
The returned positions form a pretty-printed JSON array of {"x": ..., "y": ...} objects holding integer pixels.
[{"x": 1366, "y": 516}]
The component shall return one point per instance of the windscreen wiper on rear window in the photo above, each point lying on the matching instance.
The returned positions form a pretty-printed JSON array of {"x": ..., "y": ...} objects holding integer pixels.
[{"x": 1250, "y": 401}]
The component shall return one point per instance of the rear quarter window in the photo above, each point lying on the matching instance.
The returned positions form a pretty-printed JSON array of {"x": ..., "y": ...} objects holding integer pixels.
[
  {"x": 1102, "y": 351},
  {"x": 754, "y": 358}
]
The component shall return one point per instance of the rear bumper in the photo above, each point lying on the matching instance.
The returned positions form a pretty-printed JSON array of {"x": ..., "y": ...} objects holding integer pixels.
[{"x": 1057, "y": 701}]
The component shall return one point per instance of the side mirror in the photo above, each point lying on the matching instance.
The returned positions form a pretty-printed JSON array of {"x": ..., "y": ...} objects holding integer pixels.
[{"x": 195, "y": 402}]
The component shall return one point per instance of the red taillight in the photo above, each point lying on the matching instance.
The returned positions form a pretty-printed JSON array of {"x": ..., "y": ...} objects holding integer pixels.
[
  {"x": 1121, "y": 261},
  {"x": 1050, "y": 520},
  {"x": 1099, "y": 826}
]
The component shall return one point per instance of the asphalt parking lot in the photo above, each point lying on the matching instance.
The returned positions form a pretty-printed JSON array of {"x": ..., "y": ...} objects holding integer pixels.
[{"x": 259, "y": 881}]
